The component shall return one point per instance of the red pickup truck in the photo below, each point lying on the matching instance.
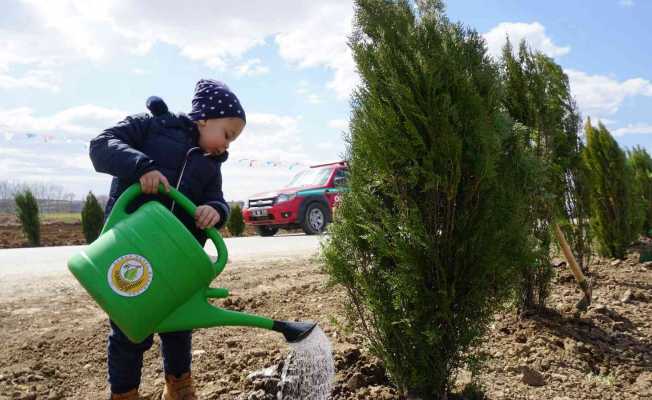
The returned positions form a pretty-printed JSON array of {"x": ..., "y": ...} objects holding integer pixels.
[{"x": 306, "y": 202}]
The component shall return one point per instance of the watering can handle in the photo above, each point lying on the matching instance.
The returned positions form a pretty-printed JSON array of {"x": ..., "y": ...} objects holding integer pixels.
[{"x": 119, "y": 213}]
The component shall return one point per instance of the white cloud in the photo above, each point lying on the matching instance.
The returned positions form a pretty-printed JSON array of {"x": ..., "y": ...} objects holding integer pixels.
[
  {"x": 253, "y": 67},
  {"x": 638, "y": 129},
  {"x": 339, "y": 124},
  {"x": 333, "y": 147},
  {"x": 269, "y": 137},
  {"x": 62, "y": 164},
  {"x": 306, "y": 92},
  {"x": 139, "y": 71},
  {"x": 76, "y": 22},
  {"x": 601, "y": 95},
  {"x": 81, "y": 122},
  {"x": 626, "y": 3},
  {"x": 32, "y": 50},
  {"x": 533, "y": 33},
  {"x": 217, "y": 34},
  {"x": 34, "y": 79},
  {"x": 321, "y": 40}
]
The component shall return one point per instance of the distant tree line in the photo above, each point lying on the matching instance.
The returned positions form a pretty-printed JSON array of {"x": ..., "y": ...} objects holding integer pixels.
[{"x": 51, "y": 198}]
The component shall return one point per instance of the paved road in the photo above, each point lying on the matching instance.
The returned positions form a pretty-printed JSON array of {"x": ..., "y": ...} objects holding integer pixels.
[{"x": 20, "y": 268}]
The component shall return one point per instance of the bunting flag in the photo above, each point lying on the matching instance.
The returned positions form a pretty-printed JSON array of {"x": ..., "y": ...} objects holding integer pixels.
[
  {"x": 45, "y": 137},
  {"x": 252, "y": 163}
]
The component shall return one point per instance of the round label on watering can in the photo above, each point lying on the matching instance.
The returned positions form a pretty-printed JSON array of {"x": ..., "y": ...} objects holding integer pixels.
[{"x": 130, "y": 275}]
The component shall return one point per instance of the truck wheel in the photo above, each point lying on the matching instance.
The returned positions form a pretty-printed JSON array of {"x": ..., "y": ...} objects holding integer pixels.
[
  {"x": 265, "y": 230},
  {"x": 314, "y": 220}
]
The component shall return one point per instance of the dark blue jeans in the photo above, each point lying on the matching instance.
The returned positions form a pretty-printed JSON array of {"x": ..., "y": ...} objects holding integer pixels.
[{"x": 125, "y": 358}]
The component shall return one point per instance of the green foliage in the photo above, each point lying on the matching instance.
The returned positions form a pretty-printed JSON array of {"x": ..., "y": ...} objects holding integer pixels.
[
  {"x": 641, "y": 163},
  {"x": 92, "y": 218},
  {"x": 27, "y": 209},
  {"x": 236, "y": 224},
  {"x": 427, "y": 241},
  {"x": 615, "y": 218},
  {"x": 537, "y": 95}
]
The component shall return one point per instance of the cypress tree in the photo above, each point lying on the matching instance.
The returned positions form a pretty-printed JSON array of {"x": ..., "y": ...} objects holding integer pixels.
[
  {"x": 537, "y": 94},
  {"x": 27, "y": 209},
  {"x": 92, "y": 218},
  {"x": 613, "y": 208},
  {"x": 236, "y": 224},
  {"x": 427, "y": 240},
  {"x": 641, "y": 163}
]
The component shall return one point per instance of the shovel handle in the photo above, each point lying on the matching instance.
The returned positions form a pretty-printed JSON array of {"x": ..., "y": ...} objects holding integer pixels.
[
  {"x": 119, "y": 213},
  {"x": 575, "y": 269}
]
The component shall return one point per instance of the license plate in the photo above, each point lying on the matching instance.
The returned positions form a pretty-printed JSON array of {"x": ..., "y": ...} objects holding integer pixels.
[{"x": 259, "y": 213}]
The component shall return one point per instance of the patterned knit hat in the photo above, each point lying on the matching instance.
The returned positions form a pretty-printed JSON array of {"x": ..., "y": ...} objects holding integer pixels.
[{"x": 213, "y": 99}]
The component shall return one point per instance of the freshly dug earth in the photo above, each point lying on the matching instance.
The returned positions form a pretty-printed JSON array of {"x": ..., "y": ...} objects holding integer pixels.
[
  {"x": 57, "y": 233},
  {"x": 54, "y": 346},
  {"x": 52, "y": 234}
]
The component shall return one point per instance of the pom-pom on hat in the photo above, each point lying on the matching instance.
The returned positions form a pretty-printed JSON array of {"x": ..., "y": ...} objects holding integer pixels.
[{"x": 213, "y": 99}]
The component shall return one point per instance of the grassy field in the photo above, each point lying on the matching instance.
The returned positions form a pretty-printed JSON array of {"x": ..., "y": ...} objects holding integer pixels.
[{"x": 61, "y": 217}]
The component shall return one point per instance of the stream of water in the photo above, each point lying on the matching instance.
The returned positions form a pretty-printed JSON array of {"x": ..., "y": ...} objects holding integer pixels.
[{"x": 309, "y": 370}]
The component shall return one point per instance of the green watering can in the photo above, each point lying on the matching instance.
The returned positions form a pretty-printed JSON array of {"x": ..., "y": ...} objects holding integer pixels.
[{"x": 149, "y": 274}]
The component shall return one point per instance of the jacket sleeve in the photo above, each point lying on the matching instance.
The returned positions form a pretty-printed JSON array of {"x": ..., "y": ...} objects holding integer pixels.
[
  {"x": 115, "y": 150},
  {"x": 215, "y": 198}
]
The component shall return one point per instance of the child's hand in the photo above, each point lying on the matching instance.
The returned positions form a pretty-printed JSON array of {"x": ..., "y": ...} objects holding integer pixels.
[
  {"x": 149, "y": 182},
  {"x": 206, "y": 217}
]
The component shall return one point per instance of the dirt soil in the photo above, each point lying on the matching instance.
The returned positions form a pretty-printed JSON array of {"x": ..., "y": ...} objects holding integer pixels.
[
  {"x": 57, "y": 233},
  {"x": 54, "y": 347},
  {"x": 52, "y": 234}
]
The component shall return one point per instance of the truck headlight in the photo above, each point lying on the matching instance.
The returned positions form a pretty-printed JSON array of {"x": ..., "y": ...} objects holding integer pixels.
[{"x": 285, "y": 197}]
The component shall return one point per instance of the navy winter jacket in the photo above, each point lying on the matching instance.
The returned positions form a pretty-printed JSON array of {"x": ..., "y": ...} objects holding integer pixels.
[{"x": 142, "y": 143}]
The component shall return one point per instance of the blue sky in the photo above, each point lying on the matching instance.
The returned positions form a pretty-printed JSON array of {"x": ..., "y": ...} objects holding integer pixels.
[{"x": 70, "y": 68}]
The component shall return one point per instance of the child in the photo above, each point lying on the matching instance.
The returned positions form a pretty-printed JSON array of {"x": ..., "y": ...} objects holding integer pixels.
[{"x": 171, "y": 149}]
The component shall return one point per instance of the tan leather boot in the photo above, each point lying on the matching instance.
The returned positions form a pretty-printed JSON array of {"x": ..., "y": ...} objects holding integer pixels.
[
  {"x": 130, "y": 395},
  {"x": 179, "y": 388}
]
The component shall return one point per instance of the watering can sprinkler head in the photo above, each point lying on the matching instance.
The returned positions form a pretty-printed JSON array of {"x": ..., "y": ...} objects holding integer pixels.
[{"x": 294, "y": 331}]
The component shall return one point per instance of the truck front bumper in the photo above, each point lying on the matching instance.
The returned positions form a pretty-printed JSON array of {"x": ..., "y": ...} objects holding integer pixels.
[{"x": 279, "y": 214}]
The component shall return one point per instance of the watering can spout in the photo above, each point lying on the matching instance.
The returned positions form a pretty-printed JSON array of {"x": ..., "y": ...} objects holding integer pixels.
[
  {"x": 132, "y": 271},
  {"x": 198, "y": 313},
  {"x": 294, "y": 331}
]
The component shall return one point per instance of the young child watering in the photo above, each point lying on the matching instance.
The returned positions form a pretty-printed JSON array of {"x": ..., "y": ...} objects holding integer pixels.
[{"x": 169, "y": 149}]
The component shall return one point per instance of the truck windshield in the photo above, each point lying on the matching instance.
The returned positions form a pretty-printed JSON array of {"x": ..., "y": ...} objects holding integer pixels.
[{"x": 311, "y": 177}]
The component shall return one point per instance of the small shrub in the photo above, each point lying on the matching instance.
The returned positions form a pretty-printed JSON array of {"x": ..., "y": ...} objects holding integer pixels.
[
  {"x": 27, "y": 209},
  {"x": 236, "y": 224},
  {"x": 92, "y": 217}
]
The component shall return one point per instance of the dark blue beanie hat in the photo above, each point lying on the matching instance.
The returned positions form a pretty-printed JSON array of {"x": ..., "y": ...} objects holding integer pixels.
[{"x": 213, "y": 99}]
